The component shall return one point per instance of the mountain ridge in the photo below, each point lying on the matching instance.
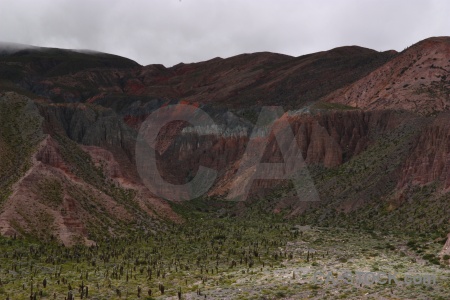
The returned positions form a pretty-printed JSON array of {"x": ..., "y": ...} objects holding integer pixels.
[{"x": 353, "y": 110}]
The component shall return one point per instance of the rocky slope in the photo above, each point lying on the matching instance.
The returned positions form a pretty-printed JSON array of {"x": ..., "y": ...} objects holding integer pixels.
[
  {"x": 417, "y": 79},
  {"x": 56, "y": 187}
]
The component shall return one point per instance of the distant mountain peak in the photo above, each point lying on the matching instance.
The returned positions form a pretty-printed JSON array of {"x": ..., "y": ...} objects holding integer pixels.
[{"x": 9, "y": 47}]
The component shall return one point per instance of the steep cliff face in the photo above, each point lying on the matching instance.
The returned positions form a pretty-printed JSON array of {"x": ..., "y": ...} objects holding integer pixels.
[
  {"x": 429, "y": 160},
  {"x": 332, "y": 138},
  {"x": 326, "y": 139}
]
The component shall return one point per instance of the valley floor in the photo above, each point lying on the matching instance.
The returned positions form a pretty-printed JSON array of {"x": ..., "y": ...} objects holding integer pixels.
[{"x": 229, "y": 258}]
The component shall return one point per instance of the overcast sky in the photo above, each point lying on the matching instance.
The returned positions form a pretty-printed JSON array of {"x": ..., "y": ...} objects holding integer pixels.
[{"x": 173, "y": 31}]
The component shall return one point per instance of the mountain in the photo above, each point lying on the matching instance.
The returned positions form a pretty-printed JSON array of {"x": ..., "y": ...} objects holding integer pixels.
[
  {"x": 370, "y": 125},
  {"x": 53, "y": 185},
  {"x": 415, "y": 80}
]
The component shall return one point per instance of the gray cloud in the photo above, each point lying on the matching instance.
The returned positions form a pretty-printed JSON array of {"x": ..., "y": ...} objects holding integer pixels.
[{"x": 173, "y": 31}]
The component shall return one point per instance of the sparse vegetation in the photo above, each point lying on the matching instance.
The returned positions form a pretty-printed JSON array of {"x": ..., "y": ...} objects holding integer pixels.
[{"x": 254, "y": 256}]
